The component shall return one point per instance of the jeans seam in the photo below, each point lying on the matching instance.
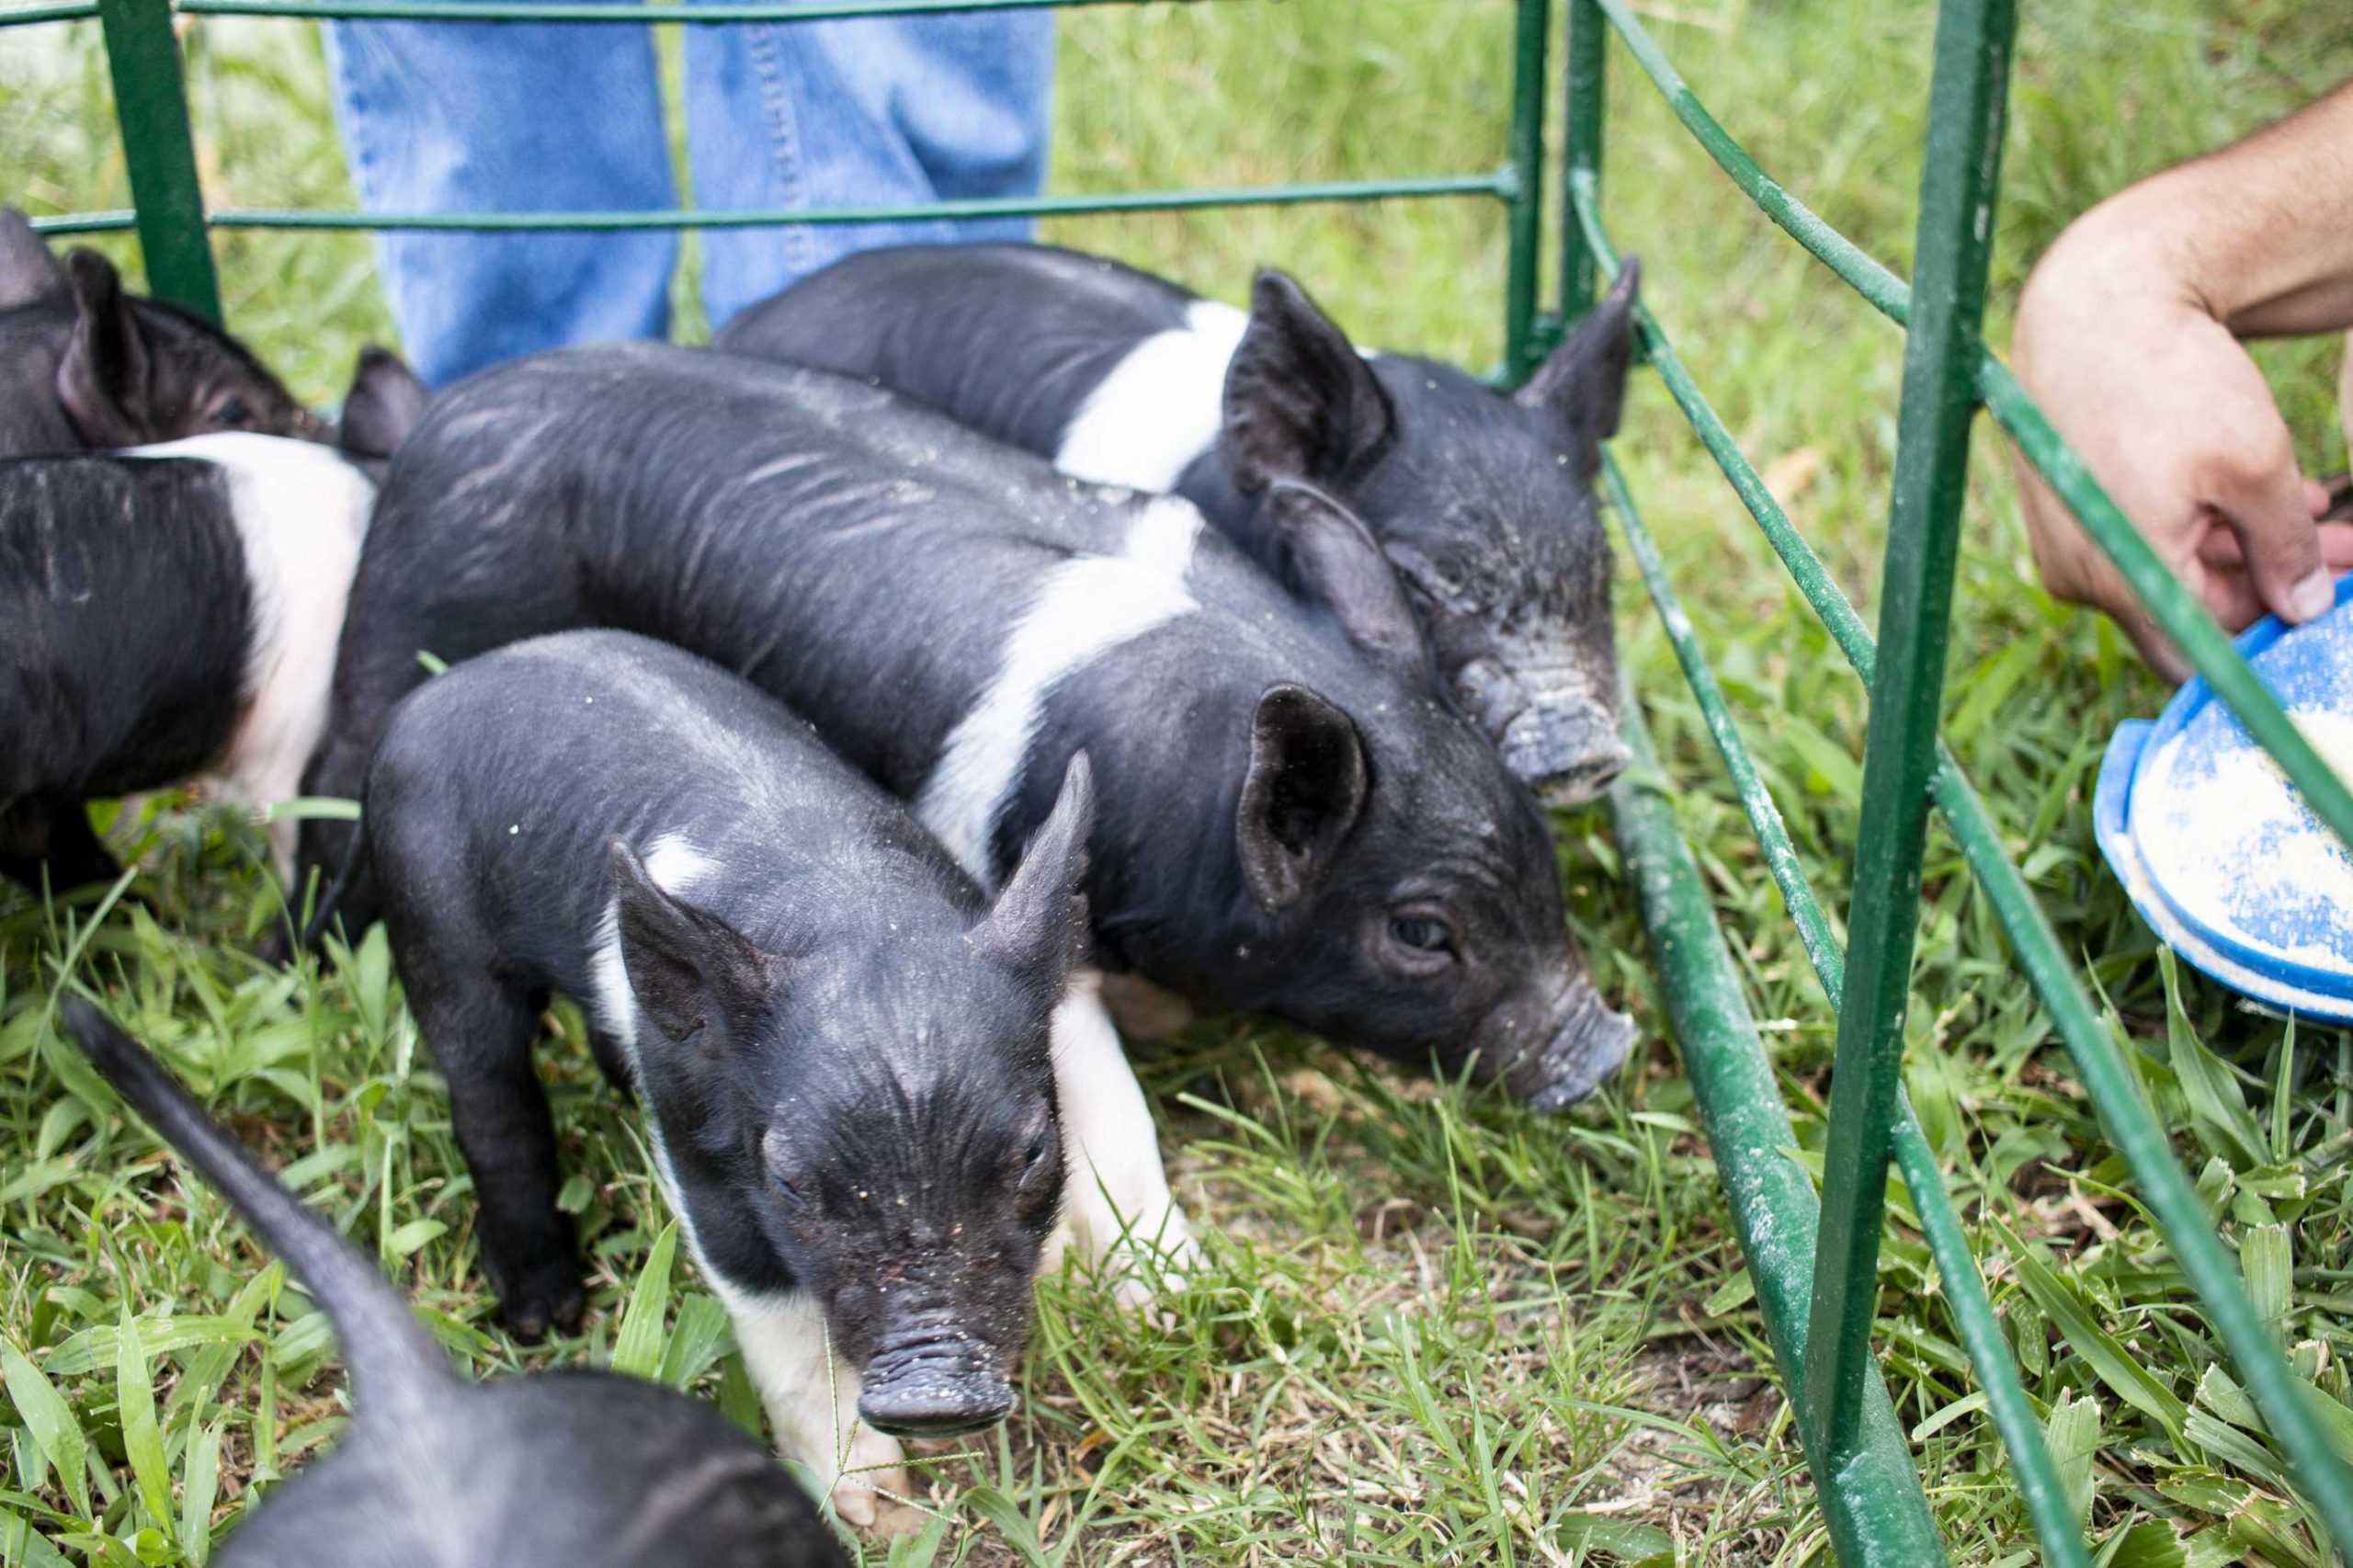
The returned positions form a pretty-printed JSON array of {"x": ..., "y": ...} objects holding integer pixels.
[
  {"x": 767, "y": 61},
  {"x": 359, "y": 116}
]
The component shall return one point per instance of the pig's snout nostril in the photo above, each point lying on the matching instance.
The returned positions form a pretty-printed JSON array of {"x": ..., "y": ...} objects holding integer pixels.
[
  {"x": 1584, "y": 779},
  {"x": 1592, "y": 1043},
  {"x": 924, "y": 1401},
  {"x": 1562, "y": 743}
]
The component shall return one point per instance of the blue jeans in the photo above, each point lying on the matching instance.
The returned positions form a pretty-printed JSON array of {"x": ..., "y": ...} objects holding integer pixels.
[{"x": 484, "y": 117}]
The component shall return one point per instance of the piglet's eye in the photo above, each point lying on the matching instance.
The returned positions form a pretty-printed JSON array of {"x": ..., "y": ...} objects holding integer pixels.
[
  {"x": 232, "y": 413},
  {"x": 785, "y": 1190},
  {"x": 1423, "y": 934},
  {"x": 1034, "y": 1153}
]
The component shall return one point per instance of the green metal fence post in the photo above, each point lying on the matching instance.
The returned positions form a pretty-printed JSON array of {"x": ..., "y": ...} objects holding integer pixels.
[
  {"x": 1956, "y": 191},
  {"x": 1527, "y": 187},
  {"x": 1581, "y": 127},
  {"x": 151, "y": 107}
]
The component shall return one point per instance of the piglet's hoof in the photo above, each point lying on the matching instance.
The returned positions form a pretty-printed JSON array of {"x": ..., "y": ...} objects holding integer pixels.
[
  {"x": 874, "y": 1470},
  {"x": 892, "y": 1517},
  {"x": 533, "y": 1307}
]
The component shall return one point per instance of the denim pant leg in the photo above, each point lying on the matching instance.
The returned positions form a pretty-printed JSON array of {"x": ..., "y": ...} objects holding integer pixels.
[
  {"x": 479, "y": 118},
  {"x": 880, "y": 109}
]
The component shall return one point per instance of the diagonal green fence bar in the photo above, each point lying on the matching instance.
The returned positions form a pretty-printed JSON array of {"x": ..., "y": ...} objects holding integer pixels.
[
  {"x": 1879, "y": 1514},
  {"x": 1989, "y": 1353}
]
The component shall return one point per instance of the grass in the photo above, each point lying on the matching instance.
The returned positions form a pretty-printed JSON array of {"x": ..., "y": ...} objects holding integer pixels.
[{"x": 1432, "y": 1327}]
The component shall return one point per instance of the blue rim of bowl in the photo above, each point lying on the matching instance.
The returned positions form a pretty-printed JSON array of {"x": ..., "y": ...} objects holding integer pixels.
[{"x": 2187, "y": 704}]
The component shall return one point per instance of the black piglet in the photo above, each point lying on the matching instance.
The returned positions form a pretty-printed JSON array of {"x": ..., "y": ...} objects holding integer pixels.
[{"x": 562, "y": 1470}]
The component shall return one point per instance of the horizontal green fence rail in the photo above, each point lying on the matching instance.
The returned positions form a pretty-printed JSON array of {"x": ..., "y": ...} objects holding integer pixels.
[{"x": 1502, "y": 184}]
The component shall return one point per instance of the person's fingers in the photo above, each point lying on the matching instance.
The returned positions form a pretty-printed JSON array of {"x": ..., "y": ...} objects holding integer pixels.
[
  {"x": 2221, "y": 546},
  {"x": 2228, "y": 592},
  {"x": 2075, "y": 571},
  {"x": 2156, "y": 646},
  {"x": 2337, "y": 493},
  {"x": 2316, "y": 497},
  {"x": 2264, "y": 501}
]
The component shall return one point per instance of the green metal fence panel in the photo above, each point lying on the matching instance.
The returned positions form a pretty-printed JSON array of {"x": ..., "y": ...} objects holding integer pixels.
[
  {"x": 1525, "y": 227},
  {"x": 2107, "y": 1080},
  {"x": 151, "y": 103},
  {"x": 2321, "y": 1476},
  {"x": 1586, "y": 86},
  {"x": 1812, "y": 1263},
  {"x": 1955, "y": 239}
]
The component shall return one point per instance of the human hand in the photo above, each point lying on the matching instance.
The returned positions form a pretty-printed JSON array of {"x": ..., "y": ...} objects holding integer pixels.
[{"x": 2176, "y": 422}]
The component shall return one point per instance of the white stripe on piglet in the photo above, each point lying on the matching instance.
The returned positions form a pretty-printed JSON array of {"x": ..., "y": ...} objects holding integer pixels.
[
  {"x": 300, "y": 512},
  {"x": 1160, "y": 407},
  {"x": 1084, "y": 609}
]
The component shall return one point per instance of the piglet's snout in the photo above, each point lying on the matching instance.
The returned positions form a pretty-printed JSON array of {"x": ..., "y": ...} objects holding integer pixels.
[
  {"x": 1568, "y": 753},
  {"x": 1589, "y": 1041},
  {"x": 928, "y": 1378},
  {"x": 1550, "y": 720}
]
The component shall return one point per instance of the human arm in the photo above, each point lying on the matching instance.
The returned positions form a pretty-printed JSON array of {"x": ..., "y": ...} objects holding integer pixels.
[{"x": 2128, "y": 335}]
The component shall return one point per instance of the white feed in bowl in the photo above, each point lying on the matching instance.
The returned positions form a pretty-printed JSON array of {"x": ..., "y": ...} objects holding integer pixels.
[{"x": 2230, "y": 840}]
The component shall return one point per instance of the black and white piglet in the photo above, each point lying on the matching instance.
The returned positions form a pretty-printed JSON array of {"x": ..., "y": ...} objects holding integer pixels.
[
  {"x": 84, "y": 363},
  {"x": 1482, "y": 503},
  {"x": 564, "y": 1470},
  {"x": 1293, "y": 820},
  {"x": 861, "y": 1083},
  {"x": 167, "y": 614}
]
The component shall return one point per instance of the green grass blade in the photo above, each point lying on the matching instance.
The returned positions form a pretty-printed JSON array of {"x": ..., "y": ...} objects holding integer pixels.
[
  {"x": 51, "y": 1421},
  {"x": 2216, "y": 1107},
  {"x": 2109, "y": 1360},
  {"x": 637, "y": 1350},
  {"x": 22, "y": 1546},
  {"x": 2073, "y": 1433},
  {"x": 695, "y": 1341},
  {"x": 203, "y": 1487},
  {"x": 142, "y": 1439}
]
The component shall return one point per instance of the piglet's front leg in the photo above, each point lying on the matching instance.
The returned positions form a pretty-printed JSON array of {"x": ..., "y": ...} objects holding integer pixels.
[
  {"x": 1116, "y": 1201},
  {"x": 812, "y": 1395}
]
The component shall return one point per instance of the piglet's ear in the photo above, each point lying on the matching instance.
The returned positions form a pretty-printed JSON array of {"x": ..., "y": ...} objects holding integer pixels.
[
  {"x": 694, "y": 974},
  {"x": 28, "y": 270},
  {"x": 103, "y": 377},
  {"x": 384, "y": 404},
  {"x": 1583, "y": 384},
  {"x": 1039, "y": 921},
  {"x": 1305, "y": 790},
  {"x": 1338, "y": 564},
  {"x": 1300, "y": 400}
]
